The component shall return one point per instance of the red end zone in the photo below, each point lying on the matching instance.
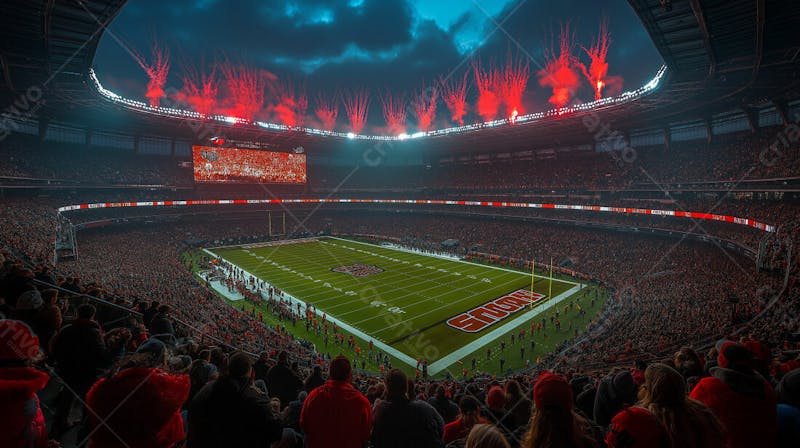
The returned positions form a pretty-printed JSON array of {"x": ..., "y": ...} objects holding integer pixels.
[{"x": 488, "y": 314}]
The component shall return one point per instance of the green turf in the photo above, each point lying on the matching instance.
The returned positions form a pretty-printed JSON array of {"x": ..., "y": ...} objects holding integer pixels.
[{"x": 405, "y": 306}]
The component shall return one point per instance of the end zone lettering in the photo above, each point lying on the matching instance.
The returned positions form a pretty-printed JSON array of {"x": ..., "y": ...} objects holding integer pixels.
[{"x": 488, "y": 314}]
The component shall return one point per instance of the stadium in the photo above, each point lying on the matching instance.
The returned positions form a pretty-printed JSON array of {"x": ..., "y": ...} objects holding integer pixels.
[{"x": 399, "y": 223}]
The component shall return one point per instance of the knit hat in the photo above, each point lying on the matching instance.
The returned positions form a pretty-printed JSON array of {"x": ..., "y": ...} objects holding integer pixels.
[
  {"x": 734, "y": 355},
  {"x": 552, "y": 391},
  {"x": 340, "y": 368},
  {"x": 30, "y": 300},
  {"x": 624, "y": 387},
  {"x": 17, "y": 341},
  {"x": 788, "y": 390},
  {"x": 152, "y": 346},
  {"x": 760, "y": 352},
  {"x": 496, "y": 398},
  {"x": 635, "y": 428},
  {"x": 141, "y": 406}
]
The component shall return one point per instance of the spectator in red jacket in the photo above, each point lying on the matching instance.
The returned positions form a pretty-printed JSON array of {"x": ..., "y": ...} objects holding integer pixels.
[
  {"x": 336, "y": 414},
  {"x": 137, "y": 407},
  {"x": 741, "y": 398},
  {"x": 665, "y": 416},
  {"x": 21, "y": 420}
]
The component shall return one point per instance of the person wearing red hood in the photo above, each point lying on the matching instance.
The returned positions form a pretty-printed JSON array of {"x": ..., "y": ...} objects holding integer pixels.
[
  {"x": 741, "y": 399},
  {"x": 138, "y": 407},
  {"x": 21, "y": 420},
  {"x": 336, "y": 414}
]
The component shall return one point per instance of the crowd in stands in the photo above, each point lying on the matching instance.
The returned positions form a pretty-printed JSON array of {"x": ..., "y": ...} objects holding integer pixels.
[{"x": 695, "y": 348}]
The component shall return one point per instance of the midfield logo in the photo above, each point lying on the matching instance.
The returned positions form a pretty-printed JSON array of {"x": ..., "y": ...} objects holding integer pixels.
[
  {"x": 358, "y": 270},
  {"x": 489, "y": 314}
]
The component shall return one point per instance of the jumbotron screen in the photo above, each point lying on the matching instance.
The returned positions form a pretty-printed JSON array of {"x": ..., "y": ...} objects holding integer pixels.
[{"x": 232, "y": 165}]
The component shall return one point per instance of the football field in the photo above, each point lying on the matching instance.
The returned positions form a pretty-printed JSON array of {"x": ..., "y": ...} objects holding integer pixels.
[{"x": 411, "y": 305}]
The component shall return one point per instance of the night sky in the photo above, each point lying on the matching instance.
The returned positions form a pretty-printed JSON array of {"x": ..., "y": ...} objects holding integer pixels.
[{"x": 378, "y": 44}]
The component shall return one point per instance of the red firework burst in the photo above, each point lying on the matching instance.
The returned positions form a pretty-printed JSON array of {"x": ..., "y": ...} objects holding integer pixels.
[
  {"x": 291, "y": 104},
  {"x": 488, "y": 100},
  {"x": 200, "y": 89},
  {"x": 245, "y": 86},
  {"x": 512, "y": 82},
  {"x": 424, "y": 106},
  {"x": 454, "y": 94},
  {"x": 356, "y": 106},
  {"x": 327, "y": 110},
  {"x": 598, "y": 68},
  {"x": 157, "y": 71},
  {"x": 559, "y": 72},
  {"x": 394, "y": 111}
]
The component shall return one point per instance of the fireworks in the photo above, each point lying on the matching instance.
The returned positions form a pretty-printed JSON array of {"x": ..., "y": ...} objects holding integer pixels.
[
  {"x": 559, "y": 72},
  {"x": 511, "y": 84},
  {"x": 157, "y": 71},
  {"x": 291, "y": 105},
  {"x": 245, "y": 86},
  {"x": 486, "y": 80},
  {"x": 394, "y": 111},
  {"x": 454, "y": 94},
  {"x": 200, "y": 90},
  {"x": 327, "y": 110},
  {"x": 424, "y": 106},
  {"x": 356, "y": 106}
]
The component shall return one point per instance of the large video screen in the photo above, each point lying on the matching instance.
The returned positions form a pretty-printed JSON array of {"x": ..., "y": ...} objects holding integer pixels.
[{"x": 231, "y": 165}]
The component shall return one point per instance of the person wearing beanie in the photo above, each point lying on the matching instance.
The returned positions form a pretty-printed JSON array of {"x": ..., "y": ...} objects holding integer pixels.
[
  {"x": 336, "y": 413},
  {"x": 740, "y": 398},
  {"x": 470, "y": 409},
  {"x": 138, "y": 407},
  {"x": 788, "y": 392},
  {"x": 554, "y": 423},
  {"x": 21, "y": 420},
  {"x": 615, "y": 393},
  {"x": 401, "y": 421},
  {"x": 665, "y": 416},
  {"x": 232, "y": 411}
]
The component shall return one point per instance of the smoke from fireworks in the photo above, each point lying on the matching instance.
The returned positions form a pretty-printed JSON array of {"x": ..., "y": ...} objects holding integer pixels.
[
  {"x": 157, "y": 71},
  {"x": 356, "y": 106},
  {"x": 200, "y": 89},
  {"x": 291, "y": 105},
  {"x": 245, "y": 86},
  {"x": 394, "y": 111},
  {"x": 559, "y": 72},
  {"x": 486, "y": 80},
  {"x": 454, "y": 94},
  {"x": 511, "y": 84},
  {"x": 424, "y": 106},
  {"x": 597, "y": 73},
  {"x": 327, "y": 110}
]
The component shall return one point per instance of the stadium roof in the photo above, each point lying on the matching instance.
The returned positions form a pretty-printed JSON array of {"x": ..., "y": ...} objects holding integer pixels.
[{"x": 721, "y": 55}]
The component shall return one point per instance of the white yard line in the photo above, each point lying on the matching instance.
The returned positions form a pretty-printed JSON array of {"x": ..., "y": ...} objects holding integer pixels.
[
  {"x": 447, "y": 360},
  {"x": 454, "y": 356},
  {"x": 355, "y": 331}
]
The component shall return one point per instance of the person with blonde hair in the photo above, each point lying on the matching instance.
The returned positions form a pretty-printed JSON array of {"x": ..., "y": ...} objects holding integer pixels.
[
  {"x": 486, "y": 436},
  {"x": 665, "y": 416}
]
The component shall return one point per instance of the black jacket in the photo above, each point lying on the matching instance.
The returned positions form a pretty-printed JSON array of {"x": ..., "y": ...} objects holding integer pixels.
[
  {"x": 80, "y": 353},
  {"x": 231, "y": 412},
  {"x": 404, "y": 423},
  {"x": 283, "y": 382}
]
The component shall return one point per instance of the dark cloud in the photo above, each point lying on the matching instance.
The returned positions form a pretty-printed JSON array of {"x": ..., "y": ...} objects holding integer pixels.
[{"x": 379, "y": 44}]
